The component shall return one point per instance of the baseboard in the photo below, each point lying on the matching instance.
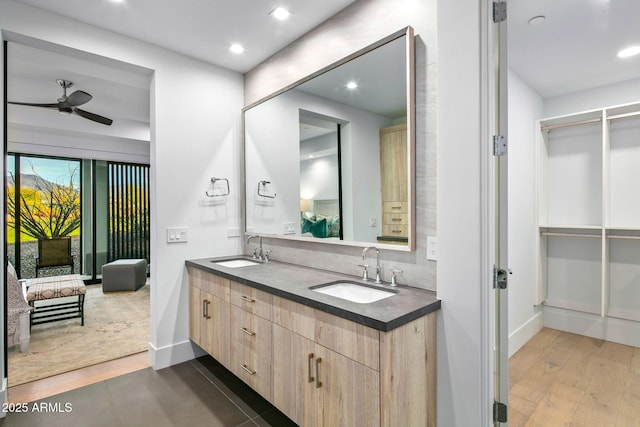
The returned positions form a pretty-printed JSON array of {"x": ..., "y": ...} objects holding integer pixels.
[
  {"x": 164, "y": 357},
  {"x": 524, "y": 333},
  {"x": 605, "y": 328}
]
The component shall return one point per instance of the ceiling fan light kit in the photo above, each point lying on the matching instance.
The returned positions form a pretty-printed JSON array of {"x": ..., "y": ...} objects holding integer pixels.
[{"x": 67, "y": 105}]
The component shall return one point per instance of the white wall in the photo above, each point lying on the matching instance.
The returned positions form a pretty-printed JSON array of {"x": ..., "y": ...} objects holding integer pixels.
[
  {"x": 193, "y": 138},
  {"x": 599, "y": 97},
  {"x": 525, "y": 107}
]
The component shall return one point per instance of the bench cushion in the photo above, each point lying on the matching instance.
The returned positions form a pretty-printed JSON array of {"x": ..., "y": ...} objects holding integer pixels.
[{"x": 43, "y": 288}]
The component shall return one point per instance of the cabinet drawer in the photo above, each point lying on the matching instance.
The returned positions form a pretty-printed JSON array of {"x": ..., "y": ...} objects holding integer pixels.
[
  {"x": 251, "y": 299},
  {"x": 395, "y": 207},
  {"x": 250, "y": 358},
  {"x": 294, "y": 317},
  {"x": 215, "y": 285},
  {"x": 395, "y": 230},
  {"x": 355, "y": 341},
  {"x": 395, "y": 219}
]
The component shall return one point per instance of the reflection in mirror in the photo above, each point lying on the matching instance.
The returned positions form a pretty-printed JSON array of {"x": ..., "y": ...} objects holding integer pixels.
[{"x": 337, "y": 149}]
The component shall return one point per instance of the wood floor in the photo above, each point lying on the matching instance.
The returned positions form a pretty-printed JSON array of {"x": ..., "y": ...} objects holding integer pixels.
[
  {"x": 56, "y": 384},
  {"x": 563, "y": 379}
]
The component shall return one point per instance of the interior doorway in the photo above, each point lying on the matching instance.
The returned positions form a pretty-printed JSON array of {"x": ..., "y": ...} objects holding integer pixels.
[
  {"x": 573, "y": 336},
  {"x": 110, "y": 150}
]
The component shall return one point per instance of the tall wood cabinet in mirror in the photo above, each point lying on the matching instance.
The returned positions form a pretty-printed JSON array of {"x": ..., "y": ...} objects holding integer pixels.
[{"x": 321, "y": 148}]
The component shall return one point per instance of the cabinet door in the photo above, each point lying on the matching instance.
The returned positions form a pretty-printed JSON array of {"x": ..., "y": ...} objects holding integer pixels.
[
  {"x": 350, "y": 391},
  {"x": 251, "y": 350},
  {"x": 217, "y": 328},
  {"x": 294, "y": 389},
  {"x": 196, "y": 313},
  {"x": 393, "y": 164}
]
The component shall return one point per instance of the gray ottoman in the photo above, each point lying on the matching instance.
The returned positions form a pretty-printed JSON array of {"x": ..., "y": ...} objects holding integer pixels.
[{"x": 124, "y": 275}]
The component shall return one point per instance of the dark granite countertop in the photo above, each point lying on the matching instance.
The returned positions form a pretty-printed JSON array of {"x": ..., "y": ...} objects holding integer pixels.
[{"x": 293, "y": 282}]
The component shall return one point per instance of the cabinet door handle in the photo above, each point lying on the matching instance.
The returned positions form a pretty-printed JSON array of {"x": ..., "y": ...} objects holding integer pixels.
[
  {"x": 246, "y": 298},
  {"x": 318, "y": 382},
  {"x": 309, "y": 367},
  {"x": 248, "y": 332},
  {"x": 246, "y": 369},
  {"x": 205, "y": 309}
]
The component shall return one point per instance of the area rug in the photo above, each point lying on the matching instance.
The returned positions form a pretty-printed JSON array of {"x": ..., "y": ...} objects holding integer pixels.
[{"x": 116, "y": 324}]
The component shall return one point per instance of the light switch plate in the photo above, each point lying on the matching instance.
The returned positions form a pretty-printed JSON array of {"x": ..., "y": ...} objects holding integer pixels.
[
  {"x": 289, "y": 227},
  {"x": 177, "y": 234}
]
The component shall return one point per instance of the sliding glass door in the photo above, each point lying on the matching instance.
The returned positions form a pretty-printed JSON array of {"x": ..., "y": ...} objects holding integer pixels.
[
  {"x": 101, "y": 207},
  {"x": 43, "y": 205}
]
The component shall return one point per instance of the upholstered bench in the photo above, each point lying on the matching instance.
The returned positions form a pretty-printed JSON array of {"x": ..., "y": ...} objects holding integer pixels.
[
  {"x": 48, "y": 288},
  {"x": 124, "y": 275}
]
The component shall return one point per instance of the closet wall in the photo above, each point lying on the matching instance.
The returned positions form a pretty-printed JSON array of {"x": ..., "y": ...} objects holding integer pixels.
[
  {"x": 589, "y": 222},
  {"x": 527, "y": 284}
]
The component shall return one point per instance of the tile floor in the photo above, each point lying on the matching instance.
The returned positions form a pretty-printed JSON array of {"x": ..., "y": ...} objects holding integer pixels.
[{"x": 200, "y": 392}]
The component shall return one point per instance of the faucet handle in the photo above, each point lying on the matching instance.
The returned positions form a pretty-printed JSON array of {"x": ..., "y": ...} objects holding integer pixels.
[
  {"x": 393, "y": 276},
  {"x": 266, "y": 255},
  {"x": 365, "y": 272},
  {"x": 255, "y": 253}
]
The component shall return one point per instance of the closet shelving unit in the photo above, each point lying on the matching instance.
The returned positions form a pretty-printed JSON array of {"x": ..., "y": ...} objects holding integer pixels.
[{"x": 589, "y": 212}]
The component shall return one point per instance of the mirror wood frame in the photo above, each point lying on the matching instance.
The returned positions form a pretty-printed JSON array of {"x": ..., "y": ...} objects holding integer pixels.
[{"x": 411, "y": 146}]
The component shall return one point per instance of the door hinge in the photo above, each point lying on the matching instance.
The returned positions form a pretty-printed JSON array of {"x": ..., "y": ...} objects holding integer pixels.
[
  {"x": 499, "y": 145},
  {"x": 499, "y": 11},
  {"x": 500, "y": 278},
  {"x": 499, "y": 412}
]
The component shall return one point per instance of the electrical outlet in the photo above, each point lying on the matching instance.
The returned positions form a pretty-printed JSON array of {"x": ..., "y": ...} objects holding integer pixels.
[
  {"x": 373, "y": 222},
  {"x": 233, "y": 232},
  {"x": 432, "y": 248}
]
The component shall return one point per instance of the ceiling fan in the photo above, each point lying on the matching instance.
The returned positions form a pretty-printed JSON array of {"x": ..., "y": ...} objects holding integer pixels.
[{"x": 68, "y": 104}]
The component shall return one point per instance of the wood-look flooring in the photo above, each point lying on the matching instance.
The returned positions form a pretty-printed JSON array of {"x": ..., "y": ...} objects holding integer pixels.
[
  {"x": 46, "y": 387},
  {"x": 564, "y": 379}
]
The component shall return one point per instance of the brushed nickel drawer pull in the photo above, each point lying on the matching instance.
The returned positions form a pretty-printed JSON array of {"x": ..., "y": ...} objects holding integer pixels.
[
  {"x": 248, "y": 332},
  {"x": 309, "y": 367},
  {"x": 318, "y": 383},
  {"x": 204, "y": 308},
  {"x": 246, "y": 298},
  {"x": 246, "y": 369},
  {"x": 396, "y": 207}
]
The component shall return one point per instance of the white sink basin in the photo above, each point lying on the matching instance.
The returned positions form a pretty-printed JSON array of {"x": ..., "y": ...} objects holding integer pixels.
[
  {"x": 235, "y": 263},
  {"x": 354, "y": 292}
]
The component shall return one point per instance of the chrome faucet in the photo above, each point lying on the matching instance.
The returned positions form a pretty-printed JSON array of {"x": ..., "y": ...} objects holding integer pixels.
[
  {"x": 257, "y": 252},
  {"x": 378, "y": 268}
]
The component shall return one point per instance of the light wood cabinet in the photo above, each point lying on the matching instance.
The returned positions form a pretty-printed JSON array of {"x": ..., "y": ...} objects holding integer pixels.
[
  {"x": 251, "y": 350},
  {"x": 208, "y": 322},
  {"x": 394, "y": 187},
  {"x": 317, "y": 368}
]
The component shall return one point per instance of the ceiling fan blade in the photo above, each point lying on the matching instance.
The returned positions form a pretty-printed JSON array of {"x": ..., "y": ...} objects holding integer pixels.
[
  {"x": 30, "y": 104},
  {"x": 92, "y": 116},
  {"x": 76, "y": 98}
]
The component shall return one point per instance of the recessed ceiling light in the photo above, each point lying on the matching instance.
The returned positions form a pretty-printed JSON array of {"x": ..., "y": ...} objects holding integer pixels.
[
  {"x": 280, "y": 13},
  {"x": 117, "y": 1},
  {"x": 352, "y": 85},
  {"x": 537, "y": 20},
  {"x": 629, "y": 51},
  {"x": 236, "y": 48}
]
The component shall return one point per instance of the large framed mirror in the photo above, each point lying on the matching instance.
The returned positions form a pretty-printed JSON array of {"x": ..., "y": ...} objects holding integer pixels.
[{"x": 331, "y": 157}]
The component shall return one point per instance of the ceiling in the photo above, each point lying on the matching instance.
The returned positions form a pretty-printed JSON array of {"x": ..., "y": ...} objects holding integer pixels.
[
  {"x": 572, "y": 50},
  {"x": 575, "y": 47},
  {"x": 203, "y": 29}
]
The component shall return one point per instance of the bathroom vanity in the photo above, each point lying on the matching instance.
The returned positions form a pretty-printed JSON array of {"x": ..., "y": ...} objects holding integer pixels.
[{"x": 322, "y": 359}]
